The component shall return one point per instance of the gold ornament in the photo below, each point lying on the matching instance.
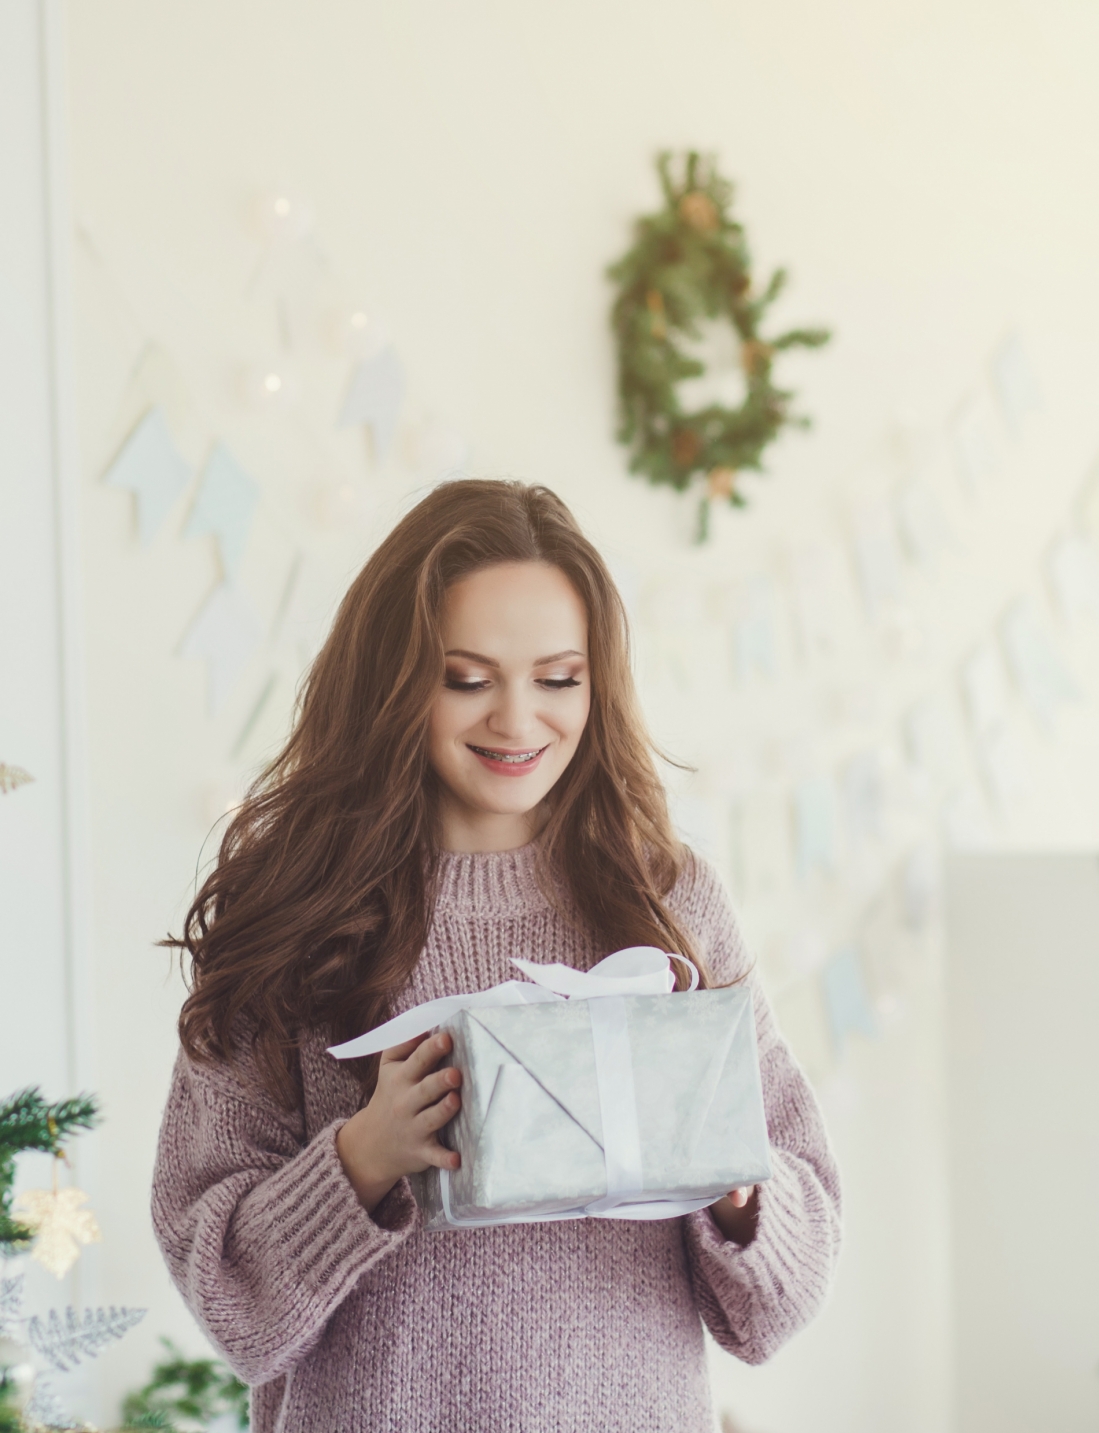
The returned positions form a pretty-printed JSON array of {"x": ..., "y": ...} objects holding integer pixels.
[
  {"x": 697, "y": 209},
  {"x": 686, "y": 446},
  {"x": 61, "y": 1226},
  {"x": 654, "y": 302},
  {"x": 720, "y": 483},
  {"x": 12, "y": 777},
  {"x": 753, "y": 355}
]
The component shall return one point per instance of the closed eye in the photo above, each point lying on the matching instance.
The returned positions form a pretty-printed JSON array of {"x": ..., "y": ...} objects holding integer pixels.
[
  {"x": 454, "y": 685},
  {"x": 556, "y": 684}
]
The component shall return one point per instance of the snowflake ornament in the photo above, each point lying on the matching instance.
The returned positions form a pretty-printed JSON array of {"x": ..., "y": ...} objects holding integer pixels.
[{"x": 60, "y": 1224}]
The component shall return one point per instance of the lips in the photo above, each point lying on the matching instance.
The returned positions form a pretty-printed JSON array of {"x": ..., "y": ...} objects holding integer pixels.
[{"x": 508, "y": 763}]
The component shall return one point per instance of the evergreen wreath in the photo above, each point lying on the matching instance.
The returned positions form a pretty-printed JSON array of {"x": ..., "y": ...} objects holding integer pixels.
[{"x": 690, "y": 262}]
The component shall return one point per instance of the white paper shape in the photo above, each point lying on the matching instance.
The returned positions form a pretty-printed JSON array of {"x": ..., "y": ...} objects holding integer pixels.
[
  {"x": 374, "y": 397},
  {"x": 933, "y": 731},
  {"x": 761, "y": 840},
  {"x": 846, "y": 999},
  {"x": 755, "y": 644},
  {"x": 1074, "y": 577},
  {"x": 815, "y": 822},
  {"x": 817, "y": 596},
  {"x": 921, "y": 883},
  {"x": 226, "y": 635},
  {"x": 1014, "y": 382},
  {"x": 1036, "y": 664},
  {"x": 974, "y": 438},
  {"x": 1004, "y": 764},
  {"x": 224, "y": 505},
  {"x": 877, "y": 558},
  {"x": 149, "y": 466},
  {"x": 922, "y": 523},
  {"x": 984, "y": 683}
]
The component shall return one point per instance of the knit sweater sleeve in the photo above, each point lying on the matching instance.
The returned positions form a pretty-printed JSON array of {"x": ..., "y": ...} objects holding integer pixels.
[
  {"x": 754, "y": 1298},
  {"x": 262, "y": 1232}
]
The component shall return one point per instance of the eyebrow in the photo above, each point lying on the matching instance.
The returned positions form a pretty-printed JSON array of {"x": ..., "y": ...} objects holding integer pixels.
[{"x": 489, "y": 662}]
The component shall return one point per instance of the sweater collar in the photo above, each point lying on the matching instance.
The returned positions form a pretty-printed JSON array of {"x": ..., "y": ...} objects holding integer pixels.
[{"x": 494, "y": 883}]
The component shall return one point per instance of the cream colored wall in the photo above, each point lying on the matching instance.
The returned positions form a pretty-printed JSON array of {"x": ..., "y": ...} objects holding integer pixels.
[{"x": 924, "y": 168}]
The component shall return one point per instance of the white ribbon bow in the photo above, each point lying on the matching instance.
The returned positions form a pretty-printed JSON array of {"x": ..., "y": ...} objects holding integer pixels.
[{"x": 640, "y": 970}]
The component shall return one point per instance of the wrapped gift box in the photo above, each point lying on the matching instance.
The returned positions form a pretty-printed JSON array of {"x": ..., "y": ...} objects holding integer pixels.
[{"x": 674, "y": 1079}]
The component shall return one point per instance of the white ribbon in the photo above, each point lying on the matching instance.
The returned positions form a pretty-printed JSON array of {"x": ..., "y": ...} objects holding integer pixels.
[{"x": 640, "y": 970}]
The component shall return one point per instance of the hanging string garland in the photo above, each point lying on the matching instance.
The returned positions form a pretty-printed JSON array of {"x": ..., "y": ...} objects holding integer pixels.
[{"x": 689, "y": 263}]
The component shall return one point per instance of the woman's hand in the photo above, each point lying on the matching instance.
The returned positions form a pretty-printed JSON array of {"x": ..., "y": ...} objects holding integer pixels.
[
  {"x": 396, "y": 1133},
  {"x": 737, "y": 1214}
]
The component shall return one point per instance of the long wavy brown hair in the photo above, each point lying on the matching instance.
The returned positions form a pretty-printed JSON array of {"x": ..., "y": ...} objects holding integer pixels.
[{"x": 321, "y": 899}]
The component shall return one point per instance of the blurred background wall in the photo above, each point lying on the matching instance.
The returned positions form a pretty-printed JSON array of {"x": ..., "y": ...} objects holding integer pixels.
[{"x": 889, "y": 656}]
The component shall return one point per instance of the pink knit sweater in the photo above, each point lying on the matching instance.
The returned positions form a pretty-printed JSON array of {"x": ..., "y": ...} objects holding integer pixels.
[{"x": 344, "y": 1322}]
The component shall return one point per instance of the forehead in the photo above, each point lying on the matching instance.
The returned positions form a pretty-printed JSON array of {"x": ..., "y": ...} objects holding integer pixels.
[{"x": 513, "y": 606}]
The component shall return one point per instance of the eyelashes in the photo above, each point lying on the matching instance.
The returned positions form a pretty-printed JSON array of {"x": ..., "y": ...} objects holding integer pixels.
[{"x": 553, "y": 684}]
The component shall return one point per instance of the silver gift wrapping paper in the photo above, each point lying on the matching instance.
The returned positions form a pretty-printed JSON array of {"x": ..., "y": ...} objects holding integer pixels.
[{"x": 530, "y": 1130}]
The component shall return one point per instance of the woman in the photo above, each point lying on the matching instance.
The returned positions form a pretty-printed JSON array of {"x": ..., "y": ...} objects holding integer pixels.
[{"x": 467, "y": 780}]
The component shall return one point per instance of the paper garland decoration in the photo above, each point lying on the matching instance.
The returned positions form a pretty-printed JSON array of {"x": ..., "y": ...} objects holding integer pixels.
[
  {"x": 816, "y": 825},
  {"x": 374, "y": 397},
  {"x": 225, "y": 634},
  {"x": 877, "y": 558},
  {"x": 1074, "y": 577},
  {"x": 1036, "y": 663},
  {"x": 1015, "y": 384},
  {"x": 149, "y": 466},
  {"x": 846, "y": 999},
  {"x": 224, "y": 505},
  {"x": 754, "y": 641}
]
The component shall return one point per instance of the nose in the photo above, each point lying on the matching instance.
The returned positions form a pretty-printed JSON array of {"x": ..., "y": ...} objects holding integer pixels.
[{"x": 512, "y": 715}]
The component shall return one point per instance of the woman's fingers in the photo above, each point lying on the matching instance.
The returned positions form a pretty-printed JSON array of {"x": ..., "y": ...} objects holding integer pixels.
[
  {"x": 427, "y": 1055},
  {"x": 402, "y": 1052},
  {"x": 740, "y": 1197},
  {"x": 435, "y": 1116},
  {"x": 434, "y": 1087},
  {"x": 441, "y": 1157}
]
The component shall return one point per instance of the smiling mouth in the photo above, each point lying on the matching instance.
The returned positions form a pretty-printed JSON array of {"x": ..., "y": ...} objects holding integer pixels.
[{"x": 509, "y": 758}]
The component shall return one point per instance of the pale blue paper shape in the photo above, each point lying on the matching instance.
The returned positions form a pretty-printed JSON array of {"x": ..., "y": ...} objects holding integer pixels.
[
  {"x": 1035, "y": 662},
  {"x": 815, "y": 817},
  {"x": 149, "y": 466},
  {"x": 846, "y": 999},
  {"x": 224, "y": 505},
  {"x": 226, "y": 635},
  {"x": 755, "y": 640},
  {"x": 864, "y": 799},
  {"x": 374, "y": 397},
  {"x": 1015, "y": 384}
]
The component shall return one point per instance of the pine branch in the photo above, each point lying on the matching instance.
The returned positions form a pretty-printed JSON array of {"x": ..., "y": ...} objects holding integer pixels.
[
  {"x": 194, "y": 1390},
  {"x": 63, "y": 1342},
  {"x": 28, "y": 1122}
]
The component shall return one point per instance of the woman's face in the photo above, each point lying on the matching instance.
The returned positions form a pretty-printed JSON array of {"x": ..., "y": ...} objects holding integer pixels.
[{"x": 514, "y": 701}]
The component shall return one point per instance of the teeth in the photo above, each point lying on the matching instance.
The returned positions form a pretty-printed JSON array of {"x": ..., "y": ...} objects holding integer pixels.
[{"x": 512, "y": 758}]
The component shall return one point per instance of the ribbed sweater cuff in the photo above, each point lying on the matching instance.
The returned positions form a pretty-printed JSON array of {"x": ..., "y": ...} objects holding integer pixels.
[
  {"x": 786, "y": 1266},
  {"x": 316, "y": 1226}
]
